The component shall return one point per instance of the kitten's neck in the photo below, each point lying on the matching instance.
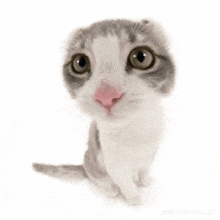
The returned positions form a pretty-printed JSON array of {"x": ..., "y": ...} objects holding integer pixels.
[
  {"x": 138, "y": 137},
  {"x": 146, "y": 118}
]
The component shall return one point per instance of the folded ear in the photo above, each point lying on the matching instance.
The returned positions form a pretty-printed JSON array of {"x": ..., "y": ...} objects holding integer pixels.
[
  {"x": 144, "y": 21},
  {"x": 156, "y": 31}
]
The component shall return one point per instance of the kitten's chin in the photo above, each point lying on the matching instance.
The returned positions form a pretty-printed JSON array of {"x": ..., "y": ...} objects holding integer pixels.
[
  {"x": 117, "y": 115},
  {"x": 108, "y": 116},
  {"x": 119, "y": 112},
  {"x": 112, "y": 118}
]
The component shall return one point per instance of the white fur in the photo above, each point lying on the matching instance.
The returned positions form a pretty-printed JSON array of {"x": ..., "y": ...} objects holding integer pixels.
[
  {"x": 129, "y": 136},
  {"x": 130, "y": 148}
]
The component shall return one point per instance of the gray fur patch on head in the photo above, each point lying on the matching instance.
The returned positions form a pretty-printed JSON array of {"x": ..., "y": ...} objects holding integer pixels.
[
  {"x": 73, "y": 82},
  {"x": 162, "y": 79},
  {"x": 104, "y": 28},
  {"x": 149, "y": 32},
  {"x": 91, "y": 163}
]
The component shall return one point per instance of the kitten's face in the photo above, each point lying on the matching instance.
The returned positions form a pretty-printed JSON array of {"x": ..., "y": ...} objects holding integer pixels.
[{"x": 117, "y": 68}]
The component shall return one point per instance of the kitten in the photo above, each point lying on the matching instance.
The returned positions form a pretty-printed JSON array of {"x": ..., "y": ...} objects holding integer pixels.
[{"x": 118, "y": 71}]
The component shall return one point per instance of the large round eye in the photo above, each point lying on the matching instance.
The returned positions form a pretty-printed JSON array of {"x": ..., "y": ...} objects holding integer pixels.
[
  {"x": 80, "y": 63},
  {"x": 141, "y": 58}
]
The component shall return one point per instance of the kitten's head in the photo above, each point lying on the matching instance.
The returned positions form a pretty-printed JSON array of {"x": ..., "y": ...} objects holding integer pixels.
[{"x": 115, "y": 68}]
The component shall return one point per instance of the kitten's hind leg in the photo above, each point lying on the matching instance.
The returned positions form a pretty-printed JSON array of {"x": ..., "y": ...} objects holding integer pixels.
[
  {"x": 94, "y": 164},
  {"x": 97, "y": 173}
]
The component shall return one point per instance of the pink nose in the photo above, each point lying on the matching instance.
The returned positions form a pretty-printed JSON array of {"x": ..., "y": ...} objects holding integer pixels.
[{"x": 107, "y": 96}]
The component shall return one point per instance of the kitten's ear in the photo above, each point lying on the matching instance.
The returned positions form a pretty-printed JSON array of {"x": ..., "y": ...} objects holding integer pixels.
[
  {"x": 145, "y": 21},
  {"x": 156, "y": 30}
]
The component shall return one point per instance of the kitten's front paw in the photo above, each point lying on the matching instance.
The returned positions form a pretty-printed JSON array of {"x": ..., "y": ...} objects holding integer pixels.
[
  {"x": 112, "y": 191},
  {"x": 143, "y": 180},
  {"x": 134, "y": 200}
]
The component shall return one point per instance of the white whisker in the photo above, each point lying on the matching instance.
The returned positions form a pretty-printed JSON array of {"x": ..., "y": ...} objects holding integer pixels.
[
  {"x": 82, "y": 34},
  {"x": 134, "y": 28},
  {"x": 141, "y": 27}
]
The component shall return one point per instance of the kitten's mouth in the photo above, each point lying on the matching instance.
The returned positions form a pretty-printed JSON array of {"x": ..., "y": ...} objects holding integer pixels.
[{"x": 110, "y": 115}]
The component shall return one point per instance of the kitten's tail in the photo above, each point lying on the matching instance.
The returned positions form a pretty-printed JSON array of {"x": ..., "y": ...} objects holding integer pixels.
[{"x": 67, "y": 172}]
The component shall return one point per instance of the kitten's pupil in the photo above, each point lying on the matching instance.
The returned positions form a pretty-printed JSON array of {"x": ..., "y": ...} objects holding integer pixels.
[
  {"x": 140, "y": 56},
  {"x": 82, "y": 62}
]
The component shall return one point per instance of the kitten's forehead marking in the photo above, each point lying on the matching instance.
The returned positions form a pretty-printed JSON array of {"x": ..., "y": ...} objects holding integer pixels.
[{"x": 106, "y": 51}]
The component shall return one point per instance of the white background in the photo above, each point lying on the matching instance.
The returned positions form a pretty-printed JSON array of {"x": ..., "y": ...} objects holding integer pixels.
[{"x": 40, "y": 123}]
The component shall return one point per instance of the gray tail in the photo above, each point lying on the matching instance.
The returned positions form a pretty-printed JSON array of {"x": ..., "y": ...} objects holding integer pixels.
[{"x": 67, "y": 172}]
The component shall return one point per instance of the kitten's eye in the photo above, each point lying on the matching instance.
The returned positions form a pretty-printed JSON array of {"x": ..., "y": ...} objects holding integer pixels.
[
  {"x": 80, "y": 63},
  {"x": 141, "y": 58}
]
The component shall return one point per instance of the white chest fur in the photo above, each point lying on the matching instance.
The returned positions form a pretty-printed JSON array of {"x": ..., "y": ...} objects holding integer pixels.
[{"x": 130, "y": 147}]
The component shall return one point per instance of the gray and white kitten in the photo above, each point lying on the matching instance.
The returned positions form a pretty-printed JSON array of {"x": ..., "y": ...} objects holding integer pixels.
[{"x": 118, "y": 71}]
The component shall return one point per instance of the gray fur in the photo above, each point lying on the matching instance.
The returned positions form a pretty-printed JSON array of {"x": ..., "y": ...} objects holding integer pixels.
[
  {"x": 90, "y": 169},
  {"x": 62, "y": 171},
  {"x": 163, "y": 77},
  {"x": 74, "y": 82},
  {"x": 94, "y": 170},
  {"x": 104, "y": 28},
  {"x": 91, "y": 164}
]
